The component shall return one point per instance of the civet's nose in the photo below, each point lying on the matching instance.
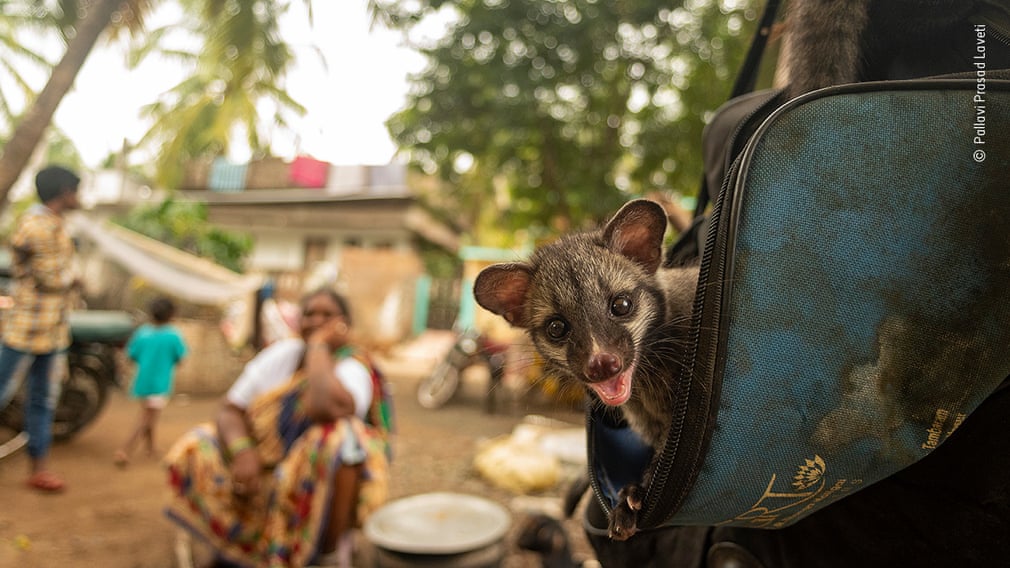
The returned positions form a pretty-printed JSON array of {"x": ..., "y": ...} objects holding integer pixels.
[{"x": 602, "y": 366}]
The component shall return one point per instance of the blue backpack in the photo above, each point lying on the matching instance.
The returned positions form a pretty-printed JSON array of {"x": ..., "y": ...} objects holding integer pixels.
[{"x": 853, "y": 306}]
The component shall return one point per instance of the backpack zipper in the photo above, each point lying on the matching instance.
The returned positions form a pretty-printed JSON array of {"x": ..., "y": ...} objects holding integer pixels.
[
  {"x": 671, "y": 451},
  {"x": 658, "y": 501}
]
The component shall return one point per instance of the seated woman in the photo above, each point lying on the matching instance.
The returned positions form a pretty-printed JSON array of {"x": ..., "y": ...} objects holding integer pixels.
[{"x": 298, "y": 454}]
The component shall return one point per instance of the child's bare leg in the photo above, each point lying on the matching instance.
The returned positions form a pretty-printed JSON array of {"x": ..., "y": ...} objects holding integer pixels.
[
  {"x": 122, "y": 456},
  {"x": 151, "y": 415}
]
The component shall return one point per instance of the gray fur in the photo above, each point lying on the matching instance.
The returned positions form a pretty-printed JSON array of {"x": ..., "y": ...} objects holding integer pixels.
[
  {"x": 824, "y": 43},
  {"x": 832, "y": 42},
  {"x": 577, "y": 279}
]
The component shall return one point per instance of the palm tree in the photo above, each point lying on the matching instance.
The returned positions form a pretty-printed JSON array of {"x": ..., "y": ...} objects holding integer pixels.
[
  {"x": 16, "y": 58},
  {"x": 241, "y": 63},
  {"x": 82, "y": 23}
]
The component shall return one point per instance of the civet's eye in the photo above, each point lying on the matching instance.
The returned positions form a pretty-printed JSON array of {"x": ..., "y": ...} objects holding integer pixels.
[
  {"x": 620, "y": 305},
  {"x": 556, "y": 328}
]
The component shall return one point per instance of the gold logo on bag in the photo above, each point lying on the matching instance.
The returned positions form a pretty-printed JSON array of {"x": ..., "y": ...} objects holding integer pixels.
[
  {"x": 809, "y": 474},
  {"x": 776, "y": 509},
  {"x": 935, "y": 434}
]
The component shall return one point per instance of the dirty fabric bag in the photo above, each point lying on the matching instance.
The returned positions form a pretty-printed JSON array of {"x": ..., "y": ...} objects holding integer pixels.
[{"x": 853, "y": 307}]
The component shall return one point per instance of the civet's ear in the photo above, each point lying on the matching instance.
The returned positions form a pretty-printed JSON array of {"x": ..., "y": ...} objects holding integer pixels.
[
  {"x": 636, "y": 232},
  {"x": 501, "y": 289}
]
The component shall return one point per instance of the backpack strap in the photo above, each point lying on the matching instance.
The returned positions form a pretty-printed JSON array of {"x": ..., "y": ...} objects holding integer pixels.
[{"x": 746, "y": 79}]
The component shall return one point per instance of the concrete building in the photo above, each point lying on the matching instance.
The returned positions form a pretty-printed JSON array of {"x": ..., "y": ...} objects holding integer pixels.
[{"x": 358, "y": 231}]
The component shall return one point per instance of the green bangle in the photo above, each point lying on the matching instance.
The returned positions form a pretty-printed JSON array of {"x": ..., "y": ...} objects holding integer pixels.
[{"x": 239, "y": 445}]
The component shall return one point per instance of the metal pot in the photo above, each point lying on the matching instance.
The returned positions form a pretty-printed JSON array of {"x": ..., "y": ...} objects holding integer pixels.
[{"x": 449, "y": 530}]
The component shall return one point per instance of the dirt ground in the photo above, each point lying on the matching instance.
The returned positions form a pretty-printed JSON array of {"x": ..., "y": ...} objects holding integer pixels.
[{"x": 112, "y": 517}]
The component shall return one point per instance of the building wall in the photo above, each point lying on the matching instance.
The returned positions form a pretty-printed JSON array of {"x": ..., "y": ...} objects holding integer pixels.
[
  {"x": 365, "y": 244},
  {"x": 380, "y": 283},
  {"x": 275, "y": 251},
  {"x": 212, "y": 365}
]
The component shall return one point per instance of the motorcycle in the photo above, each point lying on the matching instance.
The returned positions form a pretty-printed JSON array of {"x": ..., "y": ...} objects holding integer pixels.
[
  {"x": 96, "y": 336},
  {"x": 471, "y": 348}
]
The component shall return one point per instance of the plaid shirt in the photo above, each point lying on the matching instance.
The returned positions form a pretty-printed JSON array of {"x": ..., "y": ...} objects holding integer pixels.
[{"x": 38, "y": 322}]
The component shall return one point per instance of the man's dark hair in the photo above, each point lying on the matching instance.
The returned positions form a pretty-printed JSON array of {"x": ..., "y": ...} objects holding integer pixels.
[
  {"x": 162, "y": 309},
  {"x": 53, "y": 181}
]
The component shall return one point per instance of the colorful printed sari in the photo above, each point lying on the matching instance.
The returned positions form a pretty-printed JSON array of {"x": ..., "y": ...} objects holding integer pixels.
[{"x": 283, "y": 524}]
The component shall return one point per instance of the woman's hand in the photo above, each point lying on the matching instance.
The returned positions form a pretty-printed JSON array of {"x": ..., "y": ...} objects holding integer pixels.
[
  {"x": 245, "y": 473},
  {"x": 327, "y": 398},
  {"x": 332, "y": 334},
  {"x": 237, "y": 444}
]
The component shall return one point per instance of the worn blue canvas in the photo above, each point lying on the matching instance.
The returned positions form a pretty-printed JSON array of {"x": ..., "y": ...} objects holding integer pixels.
[{"x": 855, "y": 304}]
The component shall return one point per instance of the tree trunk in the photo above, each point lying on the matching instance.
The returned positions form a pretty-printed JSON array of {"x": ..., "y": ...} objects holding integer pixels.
[{"x": 15, "y": 154}]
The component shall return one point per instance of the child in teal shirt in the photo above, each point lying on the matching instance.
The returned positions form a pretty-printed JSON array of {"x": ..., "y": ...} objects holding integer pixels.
[{"x": 156, "y": 348}]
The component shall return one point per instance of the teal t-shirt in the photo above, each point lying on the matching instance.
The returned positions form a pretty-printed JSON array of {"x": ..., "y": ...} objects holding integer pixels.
[{"x": 156, "y": 349}]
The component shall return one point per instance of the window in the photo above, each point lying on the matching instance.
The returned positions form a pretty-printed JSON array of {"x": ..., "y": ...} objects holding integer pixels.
[{"x": 315, "y": 250}]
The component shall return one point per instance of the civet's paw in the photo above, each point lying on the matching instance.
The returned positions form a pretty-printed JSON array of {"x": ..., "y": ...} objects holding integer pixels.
[{"x": 624, "y": 517}]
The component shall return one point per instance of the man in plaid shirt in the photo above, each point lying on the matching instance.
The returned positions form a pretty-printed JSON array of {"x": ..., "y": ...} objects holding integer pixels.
[{"x": 36, "y": 330}]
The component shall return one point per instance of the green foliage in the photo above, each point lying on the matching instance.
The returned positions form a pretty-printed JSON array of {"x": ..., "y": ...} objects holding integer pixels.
[
  {"x": 559, "y": 112},
  {"x": 184, "y": 225},
  {"x": 438, "y": 262}
]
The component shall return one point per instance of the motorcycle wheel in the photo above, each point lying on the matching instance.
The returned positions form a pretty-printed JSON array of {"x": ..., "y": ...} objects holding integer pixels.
[
  {"x": 11, "y": 440},
  {"x": 82, "y": 398},
  {"x": 439, "y": 387},
  {"x": 12, "y": 415}
]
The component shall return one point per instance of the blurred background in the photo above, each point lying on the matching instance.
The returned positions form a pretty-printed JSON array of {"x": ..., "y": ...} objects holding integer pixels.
[
  {"x": 391, "y": 148},
  {"x": 236, "y": 154}
]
